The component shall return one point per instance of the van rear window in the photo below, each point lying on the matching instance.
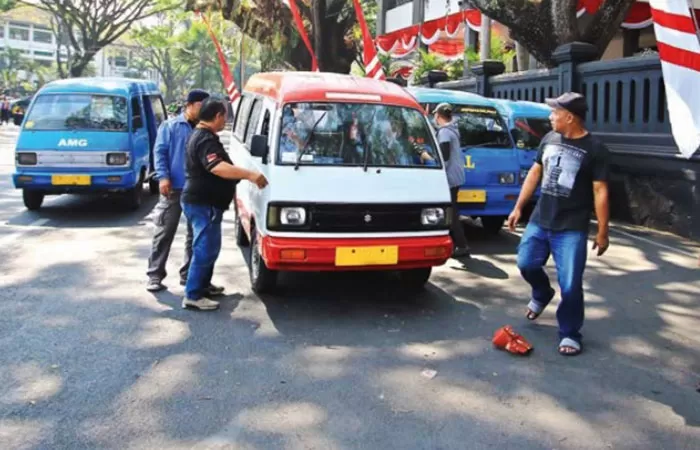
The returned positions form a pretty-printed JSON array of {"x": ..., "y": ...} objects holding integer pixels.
[{"x": 78, "y": 112}]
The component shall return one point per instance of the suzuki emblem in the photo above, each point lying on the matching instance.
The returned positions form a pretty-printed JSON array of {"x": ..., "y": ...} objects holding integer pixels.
[{"x": 368, "y": 218}]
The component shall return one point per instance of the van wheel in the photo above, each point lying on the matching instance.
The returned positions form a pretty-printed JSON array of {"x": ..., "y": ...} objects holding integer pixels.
[
  {"x": 262, "y": 279},
  {"x": 241, "y": 237},
  {"x": 32, "y": 199},
  {"x": 153, "y": 186},
  {"x": 414, "y": 280},
  {"x": 493, "y": 224},
  {"x": 134, "y": 197}
]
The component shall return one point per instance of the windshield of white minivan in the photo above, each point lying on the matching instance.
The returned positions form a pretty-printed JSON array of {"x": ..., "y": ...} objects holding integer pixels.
[
  {"x": 528, "y": 132},
  {"x": 78, "y": 112},
  {"x": 355, "y": 134}
]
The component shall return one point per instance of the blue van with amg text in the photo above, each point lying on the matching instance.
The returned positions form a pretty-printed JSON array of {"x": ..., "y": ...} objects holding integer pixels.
[{"x": 89, "y": 136}]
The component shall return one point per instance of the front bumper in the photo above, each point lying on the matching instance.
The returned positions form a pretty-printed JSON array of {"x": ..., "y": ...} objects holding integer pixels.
[
  {"x": 319, "y": 254},
  {"x": 500, "y": 201},
  {"x": 99, "y": 181}
]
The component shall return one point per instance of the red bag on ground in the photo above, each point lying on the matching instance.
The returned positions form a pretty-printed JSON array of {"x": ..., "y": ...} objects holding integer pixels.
[{"x": 506, "y": 339}]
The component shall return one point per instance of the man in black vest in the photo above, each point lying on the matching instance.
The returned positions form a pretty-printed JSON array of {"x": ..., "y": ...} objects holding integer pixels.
[{"x": 209, "y": 189}]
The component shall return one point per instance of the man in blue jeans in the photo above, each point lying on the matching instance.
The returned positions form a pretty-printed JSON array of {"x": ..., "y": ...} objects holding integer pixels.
[
  {"x": 573, "y": 168},
  {"x": 209, "y": 188}
]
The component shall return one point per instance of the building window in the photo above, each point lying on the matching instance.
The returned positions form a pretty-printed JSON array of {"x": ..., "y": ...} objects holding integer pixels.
[
  {"x": 391, "y": 4},
  {"x": 44, "y": 63},
  {"x": 43, "y": 36},
  {"x": 120, "y": 61},
  {"x": 44, "y": 54},
  {"x": 19, "y": 34}
]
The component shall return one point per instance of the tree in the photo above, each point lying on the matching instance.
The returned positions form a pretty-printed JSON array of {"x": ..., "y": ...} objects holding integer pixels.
[
  {"x": 329, "y": 24},
  {"x": 84, "y": 27},
  {"x": 543, "y": 25},
  {"x": 6, "y": 5}
]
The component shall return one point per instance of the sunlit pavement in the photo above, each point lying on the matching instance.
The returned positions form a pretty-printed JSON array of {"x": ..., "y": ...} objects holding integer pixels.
[{"x": 91, "y": 360}]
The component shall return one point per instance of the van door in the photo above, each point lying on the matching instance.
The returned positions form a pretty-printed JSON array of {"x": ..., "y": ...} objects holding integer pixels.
[
  {"x": 154, "y": 110},
  {"x": 139, "y": 137}
]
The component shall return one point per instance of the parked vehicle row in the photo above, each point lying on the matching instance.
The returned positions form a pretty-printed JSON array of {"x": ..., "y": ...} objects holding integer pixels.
[{"x": 357, "y": 180}]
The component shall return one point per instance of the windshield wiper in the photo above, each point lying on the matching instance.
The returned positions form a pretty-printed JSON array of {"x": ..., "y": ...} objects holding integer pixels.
[
  {"x": 487, "y": 144},
  {"x": 368, "y": 147},
  {"x": 302, "y": 152}
]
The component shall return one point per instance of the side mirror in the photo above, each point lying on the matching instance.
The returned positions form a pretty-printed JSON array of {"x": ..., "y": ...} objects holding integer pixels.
[{"x": 258, "y": 147}]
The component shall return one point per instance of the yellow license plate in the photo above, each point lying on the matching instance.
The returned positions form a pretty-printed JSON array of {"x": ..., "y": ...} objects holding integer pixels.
[
  {"x": 71, "y": 180},
  {"x": 367, "y": 256},
  {"x": 471, "y": 197}
]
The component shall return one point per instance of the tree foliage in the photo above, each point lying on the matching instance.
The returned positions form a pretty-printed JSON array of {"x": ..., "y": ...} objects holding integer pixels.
[
  {"x": 84, "y": 27},
  {"x": 329, "y": 24},
  {"x": 543, "y": 25}
]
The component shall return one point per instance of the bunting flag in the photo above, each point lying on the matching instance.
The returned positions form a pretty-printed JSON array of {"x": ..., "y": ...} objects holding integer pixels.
[
  {"x": 302, "y": 32},
  {"x": 231, "y": 89},
  {"x": 373, "y": 66},
  {"x": 678, "y": 42}
]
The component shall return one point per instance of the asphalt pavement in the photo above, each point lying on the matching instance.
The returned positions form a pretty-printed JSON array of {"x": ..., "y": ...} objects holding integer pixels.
[{"x": 90, "y": 360}]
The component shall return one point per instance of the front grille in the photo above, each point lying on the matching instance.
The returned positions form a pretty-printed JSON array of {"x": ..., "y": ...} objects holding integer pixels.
[{"x": 366, "y": 218}]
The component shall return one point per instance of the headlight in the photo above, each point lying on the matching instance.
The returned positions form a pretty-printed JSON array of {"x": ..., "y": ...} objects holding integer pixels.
[
  {"x": 26, "y": 159},
  {"x": 117, "y": 159},
  {"x": 432, "y": 216},
  {"x": 293, "y": 216},
  {"x": 506, "y": 178},
  {"x": 523, "y": 175}
]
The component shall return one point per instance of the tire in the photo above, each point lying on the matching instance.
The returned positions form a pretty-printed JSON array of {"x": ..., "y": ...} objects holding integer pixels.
[
  {"x": 153, "y": 186},
  {"x": 134, "y": 197},
  {"x": 241, "y": 237},
  {"x": 262, "y": 279},
  {"x": 493, "y": 224},
  {"x": 414, "y": 280},
  {"x": 32, "y": 199}
]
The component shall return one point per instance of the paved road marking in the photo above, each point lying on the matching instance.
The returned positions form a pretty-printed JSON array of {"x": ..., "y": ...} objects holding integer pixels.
[{"x": 13, "y": 236}]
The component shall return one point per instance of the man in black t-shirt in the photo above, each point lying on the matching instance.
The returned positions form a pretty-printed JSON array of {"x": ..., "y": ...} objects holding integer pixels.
[
  {"x": 573, "y": 168},
  {"x": 209, "y": 189}
]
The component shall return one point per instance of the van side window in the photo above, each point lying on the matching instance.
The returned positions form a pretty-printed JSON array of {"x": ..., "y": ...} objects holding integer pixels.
[
  {"x": 242, "y": 118},
  {"x": 158, "y": 109},
  {"x": 265, "y": 128},
  {"x": 253, "y": 121},
  {"x": 136, "y": 119}
]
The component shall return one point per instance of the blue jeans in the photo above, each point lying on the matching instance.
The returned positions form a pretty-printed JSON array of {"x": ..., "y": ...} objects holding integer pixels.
[
  {"x": 206, "y": 245},
  {"x": 569, "y": 249}
]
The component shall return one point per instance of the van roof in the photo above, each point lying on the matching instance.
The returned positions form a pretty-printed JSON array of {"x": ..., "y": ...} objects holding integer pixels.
[
  {"x": 114, "y": 86},
  {"x": 431, "y": 95},
  {"x": 290, "y": 87},
  {"x": 522, "y": 108}
]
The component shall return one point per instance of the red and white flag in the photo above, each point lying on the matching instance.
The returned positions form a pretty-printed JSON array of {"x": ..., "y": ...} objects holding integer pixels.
[
  {"x": 231, "y": 89},
  {"x": 678, "y": 41},
  {"x": 292, "y": 4},
  {"x": 373, "y": 66}
]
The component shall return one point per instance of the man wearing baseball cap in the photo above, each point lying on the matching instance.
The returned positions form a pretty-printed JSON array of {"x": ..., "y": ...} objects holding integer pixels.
[
  {"x": 169, "y": 153},
  {"x": 572, "y": 166}
]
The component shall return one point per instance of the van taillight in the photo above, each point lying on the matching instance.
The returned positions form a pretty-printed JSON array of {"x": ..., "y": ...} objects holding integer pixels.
[{"x": 26, "y": 159}]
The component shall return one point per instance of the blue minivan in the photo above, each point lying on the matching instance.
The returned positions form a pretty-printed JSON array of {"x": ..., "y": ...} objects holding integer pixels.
[
  {"x": 528, "y": 123},
  {"x": 89, "y": 136},
  {"x": 491, "y": 163}
]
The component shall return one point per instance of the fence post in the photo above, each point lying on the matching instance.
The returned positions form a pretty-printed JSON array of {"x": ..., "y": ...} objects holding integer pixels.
[
  {"x": 483, "y": 72},
  {"x": 567, "y": 57}
]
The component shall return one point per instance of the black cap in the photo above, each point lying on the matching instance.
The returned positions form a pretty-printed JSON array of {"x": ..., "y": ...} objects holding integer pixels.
[
  {"x": 197, "y": 95},
  {"x": 573, "y": 102},
  {"x": 444, "y": 109}
]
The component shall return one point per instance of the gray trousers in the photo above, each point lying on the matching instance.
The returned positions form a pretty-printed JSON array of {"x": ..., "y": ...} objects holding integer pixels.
[
  {"x": 456, "y": 228},
  {"x": 166, "y": 219}
]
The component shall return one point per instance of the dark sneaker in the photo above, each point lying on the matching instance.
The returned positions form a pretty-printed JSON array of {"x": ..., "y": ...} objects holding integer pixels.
[
  {"x": 460, "y": 252},
  {"x": 155, "y": 286},
  {"x": 213, "y": 291}
]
